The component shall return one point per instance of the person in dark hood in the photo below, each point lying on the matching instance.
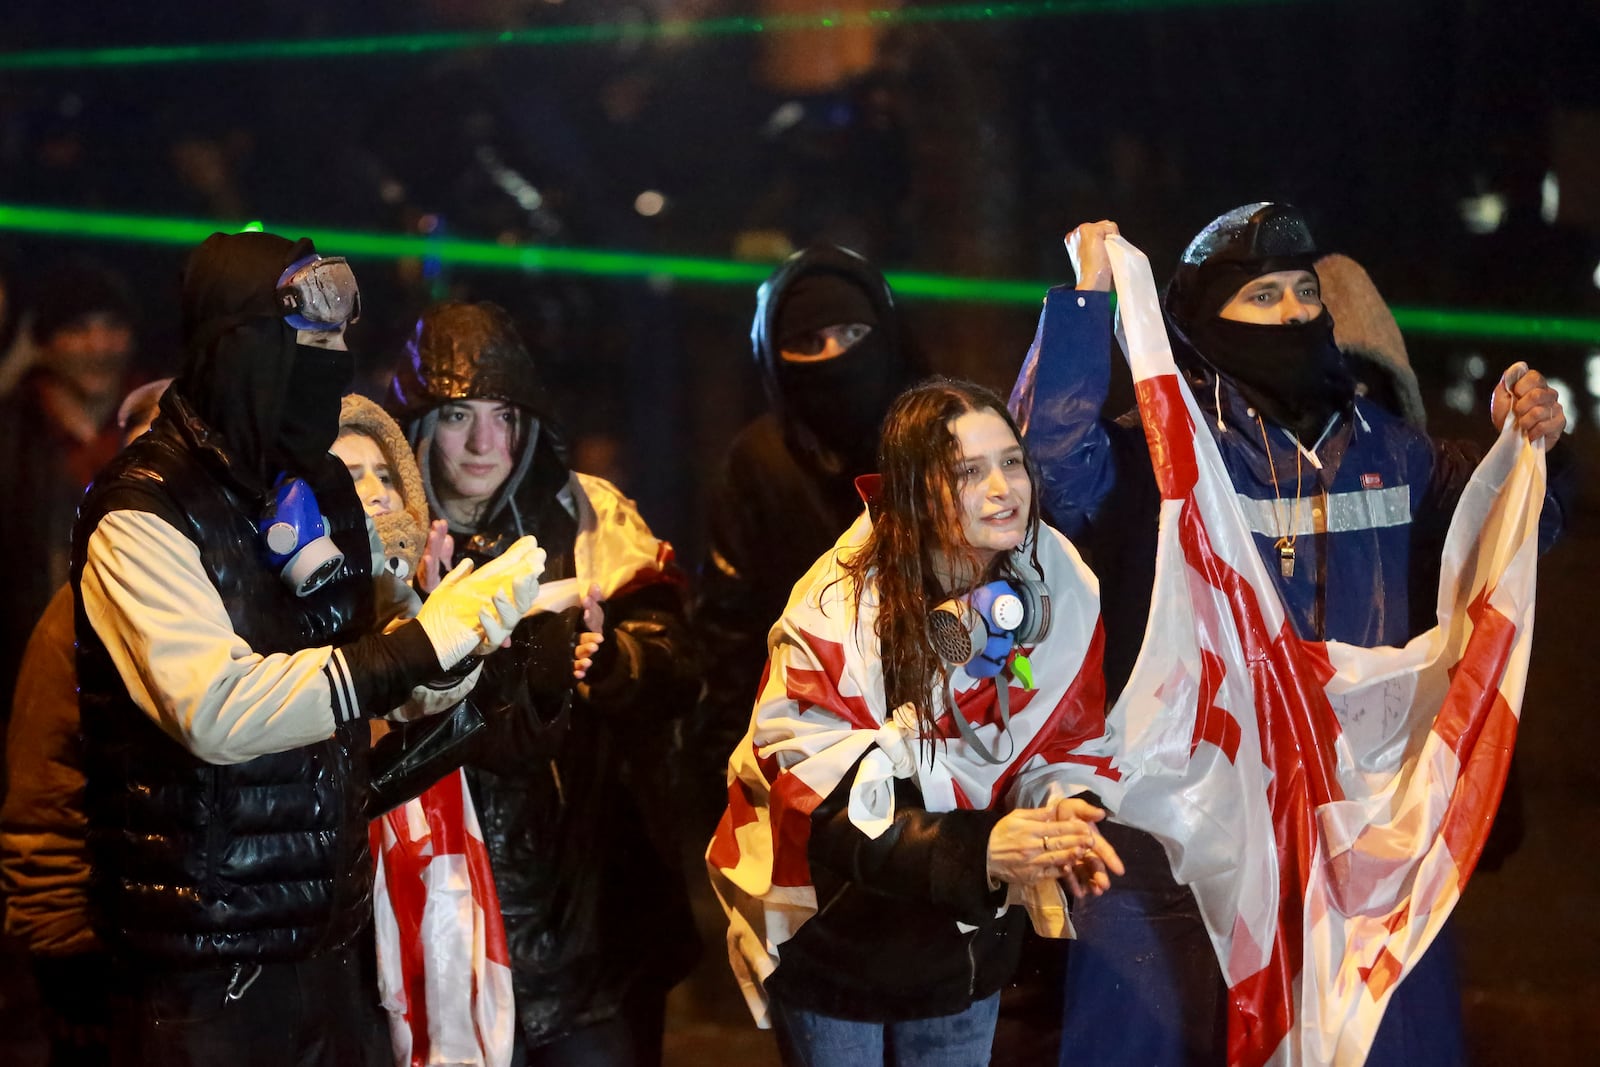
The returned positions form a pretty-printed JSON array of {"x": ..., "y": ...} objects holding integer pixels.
[
  {"x": 230, "y": 645},
  {"x": 1347, "y": 499},
  {"x": 566, "y": 780},
  {"x": 833, "y": 354}
]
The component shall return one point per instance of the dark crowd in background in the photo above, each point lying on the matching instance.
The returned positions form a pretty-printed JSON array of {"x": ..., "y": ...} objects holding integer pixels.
[
  {"x": 1452, "y": 148},
  {"x": 958, "y": 148}
]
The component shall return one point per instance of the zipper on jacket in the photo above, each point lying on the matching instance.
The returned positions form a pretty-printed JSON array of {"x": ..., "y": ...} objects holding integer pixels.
[{"x": 972, "y": 965}]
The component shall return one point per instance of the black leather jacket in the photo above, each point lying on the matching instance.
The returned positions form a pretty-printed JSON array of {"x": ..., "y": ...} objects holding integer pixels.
[
  {"x": 196, "y": 863},
  {"x": 570, "y": 792},
  {"x": 569, "y": 785},
  {"x": 884, "y": 944},
  {"x": 265, "y": 860}
]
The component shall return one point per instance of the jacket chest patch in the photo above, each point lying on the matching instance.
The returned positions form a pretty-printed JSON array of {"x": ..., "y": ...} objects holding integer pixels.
[{"x": 1372, "y": 481}]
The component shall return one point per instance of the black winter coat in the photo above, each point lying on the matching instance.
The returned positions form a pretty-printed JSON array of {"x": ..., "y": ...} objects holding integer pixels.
[
  {"x": 568, "y": 785},
  {"x": 569, "y": 792},
  {"x": 196, "y": 863},
  {"x": 882, "y": 946},
  {"x": 781, "y": 500}
]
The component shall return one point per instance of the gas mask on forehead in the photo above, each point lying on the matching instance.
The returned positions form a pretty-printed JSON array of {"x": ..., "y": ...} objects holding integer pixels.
[{"x": 319, "y": 293}]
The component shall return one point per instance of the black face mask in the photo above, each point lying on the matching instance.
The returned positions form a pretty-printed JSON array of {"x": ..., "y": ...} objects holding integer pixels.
[
  {"x": 1293, "y": 374},
  {"x": 843, "y": 400},
  {"x": 318, "y": 380}
]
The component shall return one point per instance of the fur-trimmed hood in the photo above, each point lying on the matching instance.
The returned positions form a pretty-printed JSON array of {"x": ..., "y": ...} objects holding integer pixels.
[
  {"x": 1367, "y": 334},
  {"x": 403, "y": 532}
]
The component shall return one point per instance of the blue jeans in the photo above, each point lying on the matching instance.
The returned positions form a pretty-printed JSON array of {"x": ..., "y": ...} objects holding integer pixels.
[{"x": 807, "y": 1039}]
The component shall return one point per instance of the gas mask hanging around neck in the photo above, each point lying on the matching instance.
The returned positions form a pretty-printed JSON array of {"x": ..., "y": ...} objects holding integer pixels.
[
  {"x": 979, "y": 630},
  {"x": 295, "y": 537}
]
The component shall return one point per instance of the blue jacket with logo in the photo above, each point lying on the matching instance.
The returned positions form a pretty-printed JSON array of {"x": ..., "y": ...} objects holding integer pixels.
[{"x": 1367, "y": 506}]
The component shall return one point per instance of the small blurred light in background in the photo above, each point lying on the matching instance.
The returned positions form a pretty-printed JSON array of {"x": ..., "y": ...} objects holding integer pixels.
[
  {"x": 1550, "y": 198},
  {"x": 649, "y": 203},
  {"x": 428, "y": 224},
  {"x": 1483, "y": 213},
  {"x": 1476, "y": 367}
]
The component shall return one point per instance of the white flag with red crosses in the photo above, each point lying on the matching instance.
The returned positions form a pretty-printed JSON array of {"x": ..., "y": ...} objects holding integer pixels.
[
  {"x": 1326, "y": 803},
  {"x": 444, "y": 972}
]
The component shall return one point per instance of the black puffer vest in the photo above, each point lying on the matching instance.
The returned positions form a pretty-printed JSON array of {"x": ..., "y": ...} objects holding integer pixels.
[{"x": 198, "y": 864}]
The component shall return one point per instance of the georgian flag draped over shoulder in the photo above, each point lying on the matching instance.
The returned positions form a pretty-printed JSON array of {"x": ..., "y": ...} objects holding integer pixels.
[
  {"x": 1326, "y": 803},
  {"x": 821, "y": 707}
]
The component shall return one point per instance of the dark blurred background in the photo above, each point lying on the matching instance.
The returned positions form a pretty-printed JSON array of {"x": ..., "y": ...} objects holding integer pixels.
[{"x": 1451, "y": 146}]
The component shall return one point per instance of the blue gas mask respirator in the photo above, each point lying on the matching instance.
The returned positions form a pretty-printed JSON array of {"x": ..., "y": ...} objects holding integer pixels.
[
  {"x": 296, "y": 539},
  {"x": 978, "y": 631}
]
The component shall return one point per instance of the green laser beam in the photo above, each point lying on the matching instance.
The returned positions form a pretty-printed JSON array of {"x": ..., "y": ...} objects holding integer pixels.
[
  {"x": 597, "y": 263},
  {"x": 593, "y": 33}
]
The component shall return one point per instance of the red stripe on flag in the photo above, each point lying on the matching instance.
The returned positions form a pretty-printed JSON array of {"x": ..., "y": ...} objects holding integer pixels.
[
  {"x": 791, "y": 803},
  {"x": 1212, "y": 722},
  {"x": 724, "y": 851},
  {"x": 1170, "y": 434},
  {"x": 821, "y": 688},
  {"x": 1261, "y": 1007},
  {"x": 1475, "y": 679},
  {"x": 487, "y": 898},
  {"x": 403, "y": 863},
  {"x": 1297, "y": 729},
  {"x": 1384, "y": 972},
  {"x": 1480, "y": 728}
]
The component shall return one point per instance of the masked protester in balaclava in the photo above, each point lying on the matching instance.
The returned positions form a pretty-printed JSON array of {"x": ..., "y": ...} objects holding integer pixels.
[
  {"x": 224, "y": 695},
  {"x": 568, "y": 779},
  {"x": 1347, "y": 501},
  {"x": 833, "y": 354},
  {"x": 1246, "y": 295}
]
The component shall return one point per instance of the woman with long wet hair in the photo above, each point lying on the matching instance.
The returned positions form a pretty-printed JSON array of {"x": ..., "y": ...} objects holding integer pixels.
[{"x": 933, "y": 701}]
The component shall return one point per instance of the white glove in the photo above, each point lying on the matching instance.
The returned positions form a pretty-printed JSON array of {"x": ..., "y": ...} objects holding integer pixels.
[
  {"x": 426, "y": 700},
  {"x": 475, "y": 609}
]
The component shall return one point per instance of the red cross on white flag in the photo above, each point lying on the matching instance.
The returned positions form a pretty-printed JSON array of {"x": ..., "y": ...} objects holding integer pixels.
[{"x": 1326, "y": 803}]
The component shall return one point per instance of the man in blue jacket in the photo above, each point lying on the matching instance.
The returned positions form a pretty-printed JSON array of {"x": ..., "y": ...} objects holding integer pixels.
[{"x": 1348, "y": 503}]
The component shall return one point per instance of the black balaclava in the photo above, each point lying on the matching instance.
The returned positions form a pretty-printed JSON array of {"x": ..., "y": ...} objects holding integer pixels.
[
  {"x": 841, "y": 400},
  {"x": 1293, "y": 374},
  {"x": 275, "y": 402}
]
